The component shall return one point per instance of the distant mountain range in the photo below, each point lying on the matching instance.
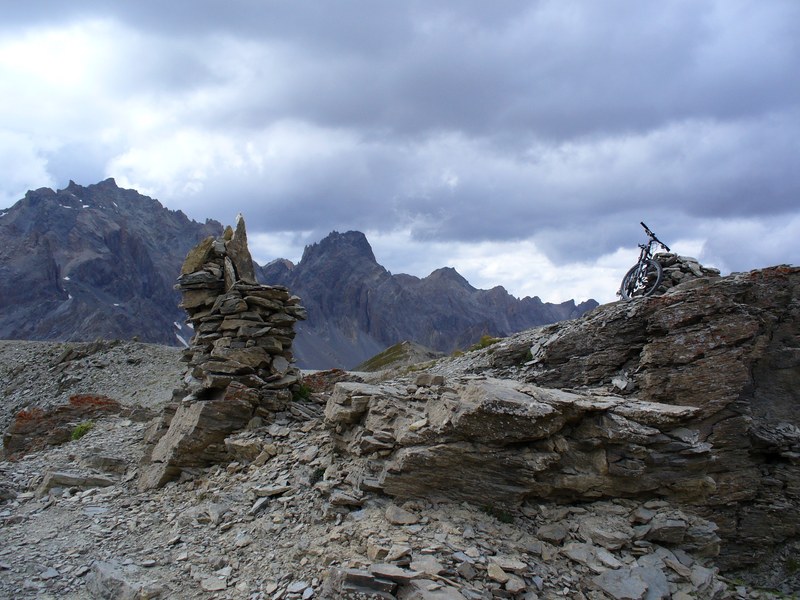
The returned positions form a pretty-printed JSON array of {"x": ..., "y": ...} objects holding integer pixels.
[
  {"x": 357, "y": 308},
  {"x": 100, "y": 262}
]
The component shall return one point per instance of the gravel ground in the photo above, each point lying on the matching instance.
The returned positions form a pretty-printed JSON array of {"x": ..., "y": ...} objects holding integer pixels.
[
  {"x": 273, "y": 530},
  {"x": 46, "y": 374}
]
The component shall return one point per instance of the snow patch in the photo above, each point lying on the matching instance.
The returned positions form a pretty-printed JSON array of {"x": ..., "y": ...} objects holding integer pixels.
[
  {"x": 86, "y": 206},
  {"x": 190, "y": 325},
  {"x": 181, "y": 340},
  {"x": 66, "y": 278},
  {"x": 176, "y": 325},
  {"x": 116, "y": 303},
  {"x": 69, "y": 296}
]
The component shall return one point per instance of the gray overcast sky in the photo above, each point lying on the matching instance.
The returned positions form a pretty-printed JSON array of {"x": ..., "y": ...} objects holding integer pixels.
[{"x": 520, "y": 142}]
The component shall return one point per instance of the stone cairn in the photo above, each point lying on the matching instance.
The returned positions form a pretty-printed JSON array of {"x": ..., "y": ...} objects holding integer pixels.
[
  {"x": 240, "y": 370},
  {"x": 243, "y": 330},
  {"x": 678, "y": 269}
]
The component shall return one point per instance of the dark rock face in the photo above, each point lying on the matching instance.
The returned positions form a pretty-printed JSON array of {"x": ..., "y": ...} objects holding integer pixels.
[
  {"x": 691, "y": 397},
  {"x": 357, "y": 308},
  {"x": 92, "y": 262}
]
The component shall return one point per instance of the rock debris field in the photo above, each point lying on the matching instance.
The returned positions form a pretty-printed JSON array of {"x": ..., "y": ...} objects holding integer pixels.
[{"x": 283, "y": 520}]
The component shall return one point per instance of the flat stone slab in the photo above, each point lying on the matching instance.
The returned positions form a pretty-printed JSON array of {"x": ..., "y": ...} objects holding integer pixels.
[{"x": 65, "y": 479}]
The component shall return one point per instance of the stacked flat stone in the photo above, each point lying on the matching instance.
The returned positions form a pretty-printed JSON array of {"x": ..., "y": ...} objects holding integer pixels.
[
  {"x": 240, "y": 359},
  {"x": 678, "y": 269},
  {"x": 243, "y": 329}
]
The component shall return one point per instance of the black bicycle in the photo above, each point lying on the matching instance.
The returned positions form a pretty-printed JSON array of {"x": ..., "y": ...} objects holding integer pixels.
[{"x": 645, "y": 276}]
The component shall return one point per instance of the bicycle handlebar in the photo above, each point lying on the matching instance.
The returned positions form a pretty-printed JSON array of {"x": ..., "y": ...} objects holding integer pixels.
[{"x": 653, "y": 237}]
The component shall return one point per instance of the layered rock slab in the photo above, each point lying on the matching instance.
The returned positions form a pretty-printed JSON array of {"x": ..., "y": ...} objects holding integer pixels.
[{"x": 506, "y": 442}]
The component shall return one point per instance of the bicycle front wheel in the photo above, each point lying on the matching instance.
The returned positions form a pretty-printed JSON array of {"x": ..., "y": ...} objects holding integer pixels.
[{"x": 642, "y": 280}]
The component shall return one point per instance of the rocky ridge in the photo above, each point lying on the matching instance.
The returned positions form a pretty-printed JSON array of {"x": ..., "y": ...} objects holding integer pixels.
[
  {"x": 357, "y": 308},
  {"x": 99, "y": 262},
  {"x": 725, "y": 352},
  {"x": 286, "y": 524},
  {"x": 594, "y": 411}
]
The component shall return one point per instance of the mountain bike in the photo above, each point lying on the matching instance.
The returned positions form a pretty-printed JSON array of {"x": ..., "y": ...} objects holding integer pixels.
[{"x": 645, "y": 276}]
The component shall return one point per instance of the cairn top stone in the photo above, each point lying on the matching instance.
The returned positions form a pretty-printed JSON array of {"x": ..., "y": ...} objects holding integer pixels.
[{"x": 239, "y": 253}]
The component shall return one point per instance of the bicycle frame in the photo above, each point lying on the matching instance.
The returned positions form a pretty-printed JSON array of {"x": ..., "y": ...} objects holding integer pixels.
[
  {"x": 645, "y": 276},
  {"x": 653, "y": 240}
]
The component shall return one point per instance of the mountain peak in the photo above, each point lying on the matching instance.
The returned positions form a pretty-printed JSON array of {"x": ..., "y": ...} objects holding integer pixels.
[
  {"x": 350, "y": 245},
  {"x": 449, "y": 274}
]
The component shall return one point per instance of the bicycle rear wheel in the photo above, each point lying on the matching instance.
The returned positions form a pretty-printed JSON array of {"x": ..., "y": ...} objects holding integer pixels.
[{"x": 641, "y": 280}]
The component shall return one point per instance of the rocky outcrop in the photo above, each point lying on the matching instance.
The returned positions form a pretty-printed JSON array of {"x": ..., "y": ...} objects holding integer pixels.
[
  {"x": 551, "y": 444},
  {"x": 603, "y": 487},
  {"x": 690, "y": 397},
  {"x": 680, "y": 269},
  {"x": 357, "y": 308},
  {"x": 239, "y": 360}
]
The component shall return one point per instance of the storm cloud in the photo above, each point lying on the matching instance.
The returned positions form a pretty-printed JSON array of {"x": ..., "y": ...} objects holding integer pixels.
[{"x": 521, "y": 142}]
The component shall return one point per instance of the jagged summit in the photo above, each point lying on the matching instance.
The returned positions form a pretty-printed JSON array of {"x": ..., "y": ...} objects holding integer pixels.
[
  {"x": 96, "y": 261},
  {"x": 358, "y": 309},
  {"x": 105, "y": 195},
  {"x": 344, "y": 246},
  {"x": 450, "y": 275}
]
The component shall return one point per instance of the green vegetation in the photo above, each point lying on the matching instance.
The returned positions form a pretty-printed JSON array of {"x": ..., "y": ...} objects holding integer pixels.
[
  {"x": 420, "y": 366},
  {"x": 499, "y": 514},
  {"x": 301, "y": 392},
  {"x": 407, "y": 355},
  {"x": 792, "y": 565},
  {"x": 485, "y": 341},
  {"x": 390, "y": 356},
  {"x": 81, "y": 430}
]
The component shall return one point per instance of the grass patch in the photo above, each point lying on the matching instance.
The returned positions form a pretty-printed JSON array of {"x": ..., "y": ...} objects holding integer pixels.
[
  {"x": 420, "y": 366},
  {"x": 484, "y": 342},
  {"x": 81, "y": 430},
  {"x": 301, "y": 392},
  {"x": 390, "y": 356},
  {"x": 792, "y": 565}
]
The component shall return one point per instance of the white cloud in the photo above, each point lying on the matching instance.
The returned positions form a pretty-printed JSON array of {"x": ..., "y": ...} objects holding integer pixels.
[
  {"x": 525, "y": 158},
  {"x": 22, "y": 167},
  {"x": 521, "y": 268},
  {"x": 745, "y": 244}
]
